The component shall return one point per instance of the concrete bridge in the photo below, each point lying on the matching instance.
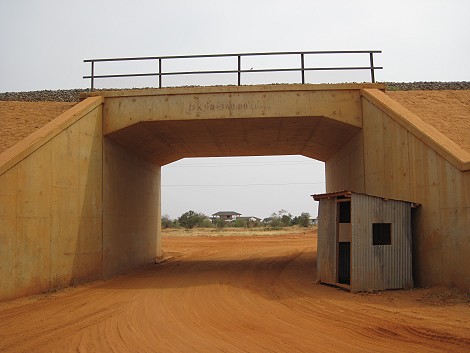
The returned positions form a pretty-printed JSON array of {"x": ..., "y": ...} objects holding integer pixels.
[{"x": 80, "y": 198}]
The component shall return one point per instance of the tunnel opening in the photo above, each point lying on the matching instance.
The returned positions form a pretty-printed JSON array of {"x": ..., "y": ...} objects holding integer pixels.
[
  {"x": 248, "y": 186},
  {"x": 160, "y": 127},
  {"x": 258, "y": 188}
]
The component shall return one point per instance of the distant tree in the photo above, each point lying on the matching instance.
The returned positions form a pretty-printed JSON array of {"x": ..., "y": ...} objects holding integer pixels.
[
  {"x": 167, "y": 222},
  {"x": 294, "y": 221},
  {"x": 238, "y": 223},
  {"x": 275, "y": 221},
  {"x": 220, "y": 223},
  {"x": 285, "y": 218},
  {"x": 207, "y": 223},
  {"x": 282, "y": 218},
  {"x": 304, "y": 219},
  {"x": 192, "y": 219},
  {"x": 253, "y": 223}
]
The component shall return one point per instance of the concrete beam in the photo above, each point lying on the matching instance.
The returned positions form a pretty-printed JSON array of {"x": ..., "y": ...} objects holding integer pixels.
[{"x": 166, "y": 125}]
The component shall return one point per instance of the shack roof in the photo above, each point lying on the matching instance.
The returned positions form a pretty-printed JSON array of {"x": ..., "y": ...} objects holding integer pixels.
[
  {"x": 346, "y": 194},
  {"x": 330, "y": 195}
]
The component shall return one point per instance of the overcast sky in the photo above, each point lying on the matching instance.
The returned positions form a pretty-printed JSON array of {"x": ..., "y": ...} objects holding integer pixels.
[{"x": 43, "y": 44}]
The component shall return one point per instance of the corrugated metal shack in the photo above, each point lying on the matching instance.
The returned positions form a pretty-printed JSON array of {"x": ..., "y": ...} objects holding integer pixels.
[{"x": 364, "y": 242}]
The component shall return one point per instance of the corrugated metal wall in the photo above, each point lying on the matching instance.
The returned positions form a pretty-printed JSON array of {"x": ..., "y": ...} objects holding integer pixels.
[
  {"x": 326, "y": 246},
  {"x": 378, "y": 267}
]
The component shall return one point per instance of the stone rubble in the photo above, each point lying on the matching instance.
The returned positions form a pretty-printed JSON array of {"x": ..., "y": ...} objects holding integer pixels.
[{"x": 427, "y": 86}]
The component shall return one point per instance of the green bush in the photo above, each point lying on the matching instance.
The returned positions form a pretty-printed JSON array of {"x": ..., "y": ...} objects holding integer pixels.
[
  {"x": 303, "y": 220},
  {"x": 279, "y": 219},
  {"x": 220, "y": 223},
  {"x": 192, "y": 219},
  {"x": 207, "y": 223},
  {"x": 238, "y": 223}
]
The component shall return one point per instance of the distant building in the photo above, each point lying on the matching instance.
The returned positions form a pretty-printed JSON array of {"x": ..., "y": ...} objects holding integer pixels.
[
  {"x": 267, "y": 220},
  {"x": 228, "y": 216},
  {"x": 251, "y": 219}
]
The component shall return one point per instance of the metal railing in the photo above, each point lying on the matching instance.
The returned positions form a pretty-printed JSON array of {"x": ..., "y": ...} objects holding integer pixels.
[{"x": 239, "y": 71}]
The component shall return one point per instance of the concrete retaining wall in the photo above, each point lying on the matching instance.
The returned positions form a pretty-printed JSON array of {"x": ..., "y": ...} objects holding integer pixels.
[
  {"x": 74, "y": 207},
  {"x": 51, "y": 203},
  {"x": 131, "y": 218},
  {"x": 391, "y": 158}
]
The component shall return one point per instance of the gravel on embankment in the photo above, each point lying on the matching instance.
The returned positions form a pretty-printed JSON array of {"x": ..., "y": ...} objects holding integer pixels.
[
  {"x": 65, "y": 95},
  {"x": 427, "y": 86},
  {"x": 73, "y": 95}
]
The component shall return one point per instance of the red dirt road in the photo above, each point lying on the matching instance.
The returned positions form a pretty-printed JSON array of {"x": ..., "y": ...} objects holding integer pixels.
[{"x": 234, "y": 294}]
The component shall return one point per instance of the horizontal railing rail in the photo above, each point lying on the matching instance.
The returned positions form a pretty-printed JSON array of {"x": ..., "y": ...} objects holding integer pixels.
[{"x": 239, "y": 71}]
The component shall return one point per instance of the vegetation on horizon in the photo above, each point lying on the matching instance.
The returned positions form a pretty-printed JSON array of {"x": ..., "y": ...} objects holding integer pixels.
[{"x": 277, "y": 220}]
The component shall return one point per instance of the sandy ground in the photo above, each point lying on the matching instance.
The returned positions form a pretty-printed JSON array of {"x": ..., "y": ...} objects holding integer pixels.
[
  {"x": 234, "y": 294},
  {"x": 447, "y": 111},
  {"x": 21, "y": 119}
]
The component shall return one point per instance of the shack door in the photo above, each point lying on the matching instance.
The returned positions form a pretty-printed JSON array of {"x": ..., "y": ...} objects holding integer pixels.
[
  {"x": 344, "y": 260},
  {"x": 344, "y": 241}
]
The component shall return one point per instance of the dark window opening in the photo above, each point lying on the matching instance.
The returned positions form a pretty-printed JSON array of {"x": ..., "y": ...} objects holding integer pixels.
[
  {"x": 381, "y": 234},
  {"x": 344, "y": 209}
]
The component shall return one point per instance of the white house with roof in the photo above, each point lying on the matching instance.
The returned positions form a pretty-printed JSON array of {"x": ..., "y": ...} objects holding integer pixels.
[{"x": 228, "y": 216}]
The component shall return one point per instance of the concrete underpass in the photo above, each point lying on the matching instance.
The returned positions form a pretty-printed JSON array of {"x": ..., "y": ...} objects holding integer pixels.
[{"x": 81, "y": 196}]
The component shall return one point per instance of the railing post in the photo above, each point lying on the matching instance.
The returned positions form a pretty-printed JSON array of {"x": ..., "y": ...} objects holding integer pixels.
[
  {"x": 239, "y": 69},
  {"x": 302, "y": 63},
  {"x": 92, "y": 76},
  {"x": 160, "y": 73},
  {"x": 372, "y": 73}
]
